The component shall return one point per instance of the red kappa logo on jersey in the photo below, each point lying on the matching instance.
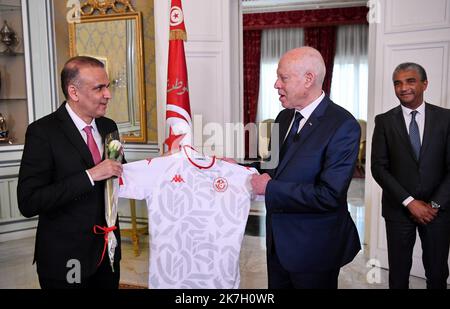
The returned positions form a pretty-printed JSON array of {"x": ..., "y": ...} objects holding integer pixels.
[
  {"x": 177, "y": 179},
  {"x": 220, "y": 184}
]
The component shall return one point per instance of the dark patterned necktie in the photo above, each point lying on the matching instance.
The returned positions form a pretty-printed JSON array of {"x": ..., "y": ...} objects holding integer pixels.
[
  {"x": 292, "y": 133},
  {"x": 414, "y": 135}
]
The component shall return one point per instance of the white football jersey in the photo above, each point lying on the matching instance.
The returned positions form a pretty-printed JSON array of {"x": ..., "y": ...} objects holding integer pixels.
[{"x": 197, "y": 208}]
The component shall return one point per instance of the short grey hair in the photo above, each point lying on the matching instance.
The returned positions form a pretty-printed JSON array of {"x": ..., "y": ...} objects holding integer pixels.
[
  {"x": 71, "y": 70},
  {"x": 406, "y": 66}
]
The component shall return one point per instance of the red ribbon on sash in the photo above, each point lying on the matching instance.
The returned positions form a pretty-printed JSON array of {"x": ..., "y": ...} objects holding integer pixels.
[{"x": 103, "y": 230}]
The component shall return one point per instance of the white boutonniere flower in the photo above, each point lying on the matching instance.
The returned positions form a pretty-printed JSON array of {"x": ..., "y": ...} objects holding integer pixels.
[{"x": 115, "y": 151}]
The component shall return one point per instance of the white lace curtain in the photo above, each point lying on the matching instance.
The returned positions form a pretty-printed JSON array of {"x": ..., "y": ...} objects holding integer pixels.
[
  {"x": 274, "y": 43},
  {"x": 350, "y": 72}
]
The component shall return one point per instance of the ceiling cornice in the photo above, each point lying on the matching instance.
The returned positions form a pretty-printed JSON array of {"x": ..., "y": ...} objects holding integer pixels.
[{"x": 262, "y": 6}]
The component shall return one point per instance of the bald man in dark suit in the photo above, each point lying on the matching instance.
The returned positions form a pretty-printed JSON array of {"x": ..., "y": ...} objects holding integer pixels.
[{"x": 310, "y": 234}]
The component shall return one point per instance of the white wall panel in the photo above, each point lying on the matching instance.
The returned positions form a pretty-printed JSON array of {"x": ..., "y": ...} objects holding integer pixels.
[
  {"x": 416, "y": 15},
  {"x": 17, "y": 229},
  {"x": 8, "y": 199},
  {"x": 4, "y": 201},
  {"x": 206, "y": 78},
  {"x": 14, "y": 207},
  {"x": 204, "y": 20},
  {"x": 10, "y": 154}
]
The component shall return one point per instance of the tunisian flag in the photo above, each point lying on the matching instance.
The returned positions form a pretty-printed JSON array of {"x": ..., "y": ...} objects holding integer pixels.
[{"x": 178, "y": 110}]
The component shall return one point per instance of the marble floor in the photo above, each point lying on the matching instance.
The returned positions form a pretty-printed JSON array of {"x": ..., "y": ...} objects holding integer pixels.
[{"x": 16, "y": 270}]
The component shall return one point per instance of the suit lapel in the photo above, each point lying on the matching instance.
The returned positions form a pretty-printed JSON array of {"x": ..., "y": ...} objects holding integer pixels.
[
  {"x": 102, "y": 130},
  {"x": 400, "y": 127},
  {"x": 311, "y": 124},
  {"x": 285, "y": 122},
  {"x": 72, "y": 134},
  {"x": 428, "y": 128}
]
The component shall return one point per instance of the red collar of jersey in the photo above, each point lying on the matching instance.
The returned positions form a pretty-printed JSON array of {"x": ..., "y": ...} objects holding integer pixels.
[{"x": 195, "y": 164}]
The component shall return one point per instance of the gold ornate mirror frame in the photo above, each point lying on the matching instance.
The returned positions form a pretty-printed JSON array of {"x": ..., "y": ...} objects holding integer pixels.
[
  {"x": 111, "y": 31},
  {"x": 118, "y": 6}
]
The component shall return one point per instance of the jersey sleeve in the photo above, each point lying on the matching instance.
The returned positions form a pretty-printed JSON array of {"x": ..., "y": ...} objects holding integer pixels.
[
  {"x": 137, "y": 179},
  {"x": 243, "y": 176},
  {"x": 248, "y": 185}
]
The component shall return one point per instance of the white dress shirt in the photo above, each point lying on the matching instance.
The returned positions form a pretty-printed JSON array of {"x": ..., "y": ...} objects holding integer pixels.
[
  {"x": 306, "y": 112},
  {"x": 80, "y": 124},
  {"x": 420, "y": 118}
]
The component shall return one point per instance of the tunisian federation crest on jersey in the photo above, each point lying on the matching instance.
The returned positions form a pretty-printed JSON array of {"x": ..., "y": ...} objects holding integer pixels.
[{"x": 220, "y": 184}]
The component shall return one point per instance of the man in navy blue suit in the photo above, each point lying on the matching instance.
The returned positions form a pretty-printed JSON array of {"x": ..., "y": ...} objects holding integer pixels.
[{"x": 310, "y": 234}]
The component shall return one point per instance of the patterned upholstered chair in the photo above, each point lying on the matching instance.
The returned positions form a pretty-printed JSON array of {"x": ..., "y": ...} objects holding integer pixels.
[
  {"x": 264, "y": 130},
  {"x": 362, "y": 146}
]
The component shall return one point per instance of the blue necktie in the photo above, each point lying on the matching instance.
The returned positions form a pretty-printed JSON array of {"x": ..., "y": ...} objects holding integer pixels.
[
  {"x": 292, "y": 133},
  {"x": 414, "y": 134}
]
